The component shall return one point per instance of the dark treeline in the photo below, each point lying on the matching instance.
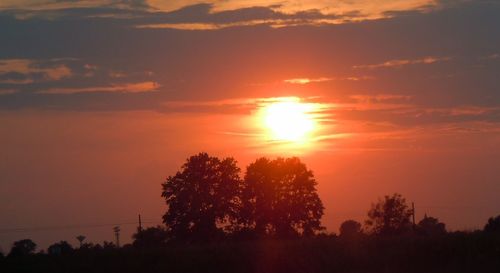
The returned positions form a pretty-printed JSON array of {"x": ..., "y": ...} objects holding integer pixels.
[{"x": 268, "y": 220}]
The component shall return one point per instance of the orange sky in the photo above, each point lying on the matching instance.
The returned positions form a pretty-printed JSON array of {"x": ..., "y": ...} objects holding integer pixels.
[
  {"x": 92, "y": 120},
  {"x": 105, "y": 168}
]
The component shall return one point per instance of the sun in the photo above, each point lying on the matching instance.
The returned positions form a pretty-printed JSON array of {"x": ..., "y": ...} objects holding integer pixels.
[{"x": 289, "y": 120}]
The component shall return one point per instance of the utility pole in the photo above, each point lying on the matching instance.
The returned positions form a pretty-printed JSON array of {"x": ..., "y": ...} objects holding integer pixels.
[
  {"x": 413, "y": 213},
  {"x": 117, "y": 235},
  {"x": 140, "y": 223}
]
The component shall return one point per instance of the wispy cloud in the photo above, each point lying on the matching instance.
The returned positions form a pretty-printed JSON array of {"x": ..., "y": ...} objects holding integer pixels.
[
  {"x": 51, "y": 70},
  {"x": 7, "y": 91},
  {"x": 403, "y": 62},
  {"x": 121, "y": 88},
  {"x": 307, "y": 80},
  {"x": 463, "y": 110},
  {"x": 327, "y": 79},
  {"x": 381, "y": 98},
  {"x": 493, "y": 56},
  {"x": 273, "y": 23},
  {"x": 13, "y": 78}
]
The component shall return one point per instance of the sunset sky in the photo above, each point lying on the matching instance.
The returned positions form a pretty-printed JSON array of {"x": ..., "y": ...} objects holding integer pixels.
[{"x": 101, "y": 100}]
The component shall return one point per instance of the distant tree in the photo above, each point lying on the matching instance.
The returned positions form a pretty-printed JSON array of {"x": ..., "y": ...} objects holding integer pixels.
[
  {"x": 350, "y": 228},
  {"x": 430, "y": 226},
  {"x": 88, "y": 246},
  {"x": 97, "y": 247},
  {"x": 279, "y": 198},
  {"x": 390, "y": 216},
  {"x": 60, "y": 248},
  {"x": 202, "y": 198},
  {"x": 80, "y": 239},
  {"x": 150, "y": 237},
  {"x": 23, "y": 248},
  {"x": 493, "y": 225},
  {"x": 106, "y": 245}
]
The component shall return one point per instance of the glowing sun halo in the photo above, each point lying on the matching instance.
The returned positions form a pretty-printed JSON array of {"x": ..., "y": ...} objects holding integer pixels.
[{"x": 289, "y": 120}]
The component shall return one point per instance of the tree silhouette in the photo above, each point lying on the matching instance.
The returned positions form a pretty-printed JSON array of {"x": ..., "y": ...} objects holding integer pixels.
[
  {"x": 350, "y": 228},
  {"x": 80, "y": 239},
  {"x": 493, "y": 225},
  {"x": 430, "y": 226},
  {"x": 22, "y": 248},
  {"x": 389, "y": 216},
  {"x": 60, "y": 248},
  {"x": 106, "y": 245},
  {"x": 279, "y": 198},
  {"x": 202, "y": 198},
  {"x": 150, "y": 237}
]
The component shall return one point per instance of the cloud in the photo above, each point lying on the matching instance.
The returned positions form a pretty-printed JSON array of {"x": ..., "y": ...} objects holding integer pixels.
[
  {"x": 493, "y": 56},
  {"x": 237, "y": 106},
  {"x": 26, "y": 70},
  {"x": 140, "y": 87},
  {"x": 307, "y": 80},
  {"x": 66, "y": 4},
  {"x": 7, "y": 91},
  {"x": 464, "y": 110},
  {"x": 191, "y": 15},
  {"x": 303, "y": 81},
  {"x": 403, "y": 62},
  {"x": 273, "y": 23},
  {"x": 358, "y": 78},
  {"x": 230, "y": 11},
  {"x": 12, "y": 77},
  {"x": 203, "y": 17},
  {"x": 210, "y": 65},
  {"x": 379, "y": 102}
]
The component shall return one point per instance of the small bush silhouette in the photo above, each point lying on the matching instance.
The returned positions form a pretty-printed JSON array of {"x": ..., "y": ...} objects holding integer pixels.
[{"x": 350, "y": 228}]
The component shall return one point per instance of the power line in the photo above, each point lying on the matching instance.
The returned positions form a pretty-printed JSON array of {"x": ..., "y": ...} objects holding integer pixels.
[{"x": 53, "y": 228}]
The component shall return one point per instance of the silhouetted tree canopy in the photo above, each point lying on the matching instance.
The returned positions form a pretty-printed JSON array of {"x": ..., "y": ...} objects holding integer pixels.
[
  {"x": 390, "y": 216},
  {"x": 89, "y": 246},
  {"x": 350, "y": 228},
  {"x": 430, "y": 226},
  {"x": 202, "y": 198},
  {"x": 493, "y": 225},
  {"x": 60, "y": 248},
  {"x": 22, "y": 248},
  {"x": 106, "y": 245},
  {"x": 279, "y": 198},
  {"x": 151, "y": 237}
]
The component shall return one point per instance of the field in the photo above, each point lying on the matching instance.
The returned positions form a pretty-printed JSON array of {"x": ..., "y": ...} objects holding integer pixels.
[{"x": 453, "y": 252}]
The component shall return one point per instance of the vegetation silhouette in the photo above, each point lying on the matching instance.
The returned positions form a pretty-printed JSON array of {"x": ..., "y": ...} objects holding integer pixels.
[
  {"x": 152, "y": 237},
  {"x": 208, "y": 201},
  {"x": 61, "y": 248},
  {"x": 430, "y": 226},
  {"x": 202, "y": 198},
  {"x": 493, "y": 225},
  {"x": 269, "y": 221},
  {"x": 389, "y": 216},
  {"x": 350, "y": 228},
  {"x": 23, "y": 248},
  {"x": 279, "y": 198}
]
